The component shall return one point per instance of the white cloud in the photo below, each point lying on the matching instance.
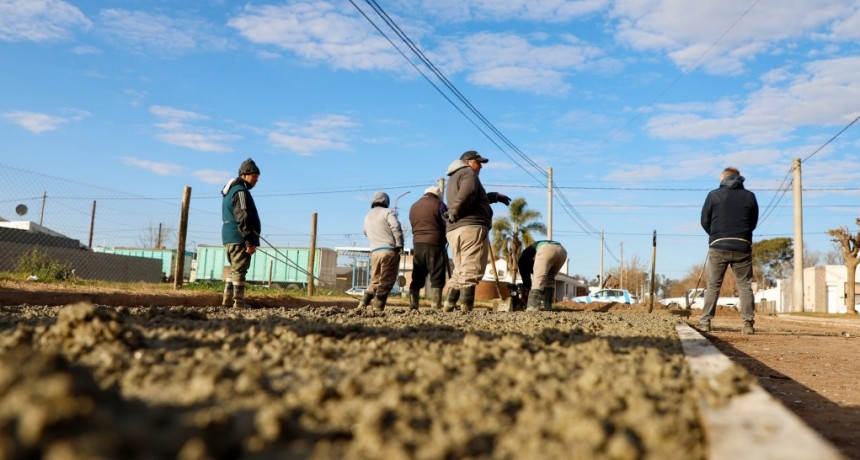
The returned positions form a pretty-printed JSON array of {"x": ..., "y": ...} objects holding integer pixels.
[
  {"x": 721, "y": 36},
  {"x": 318, "y": 31},
  {"x": 534, "y": 67},
  {"x": 322, "y": 134},
  {"x": 822, "y": 93},
  {"x": 524, "y": 10},
  {"x": 177, "y": 130},
  {"x": 158, "y": 34},
  {"x": 162, "y": 169},
  {"x": 211, "y": 176},
  {"x": 41, "y": 122},
  {"x": 39, "y": 20}
]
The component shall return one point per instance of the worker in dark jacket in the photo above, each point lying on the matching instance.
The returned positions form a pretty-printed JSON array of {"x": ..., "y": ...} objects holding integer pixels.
[
  {"x": 539, "y": 263},
  {"x": 469, "y": 219},
  {"x": 430, "y": 256},
  {"x": 240, "y": 231},
  {"x": 729, "y": 216}
]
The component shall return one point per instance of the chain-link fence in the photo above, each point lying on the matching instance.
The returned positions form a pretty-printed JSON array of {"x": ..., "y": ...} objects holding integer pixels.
[{"x": 56, "y": 228}]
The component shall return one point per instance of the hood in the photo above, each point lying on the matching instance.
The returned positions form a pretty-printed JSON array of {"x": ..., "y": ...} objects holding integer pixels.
[
  {"x": 733, "y": 182},
  {"x": 229, "y": 184},
  {"x": 380, "y": 199},
  {"x": 455, "y": 166}
]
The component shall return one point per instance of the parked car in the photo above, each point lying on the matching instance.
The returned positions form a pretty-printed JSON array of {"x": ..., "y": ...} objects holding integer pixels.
[
  {"x": 695, "y": 298},
  {"x": 606, "y": 296}
]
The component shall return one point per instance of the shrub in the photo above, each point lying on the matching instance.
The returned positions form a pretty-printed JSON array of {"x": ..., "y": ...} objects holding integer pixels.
[{"x": 40, "y": 264}]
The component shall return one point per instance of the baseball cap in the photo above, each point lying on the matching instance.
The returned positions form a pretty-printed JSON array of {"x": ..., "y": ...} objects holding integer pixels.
[{"x": 473, "y": 155}]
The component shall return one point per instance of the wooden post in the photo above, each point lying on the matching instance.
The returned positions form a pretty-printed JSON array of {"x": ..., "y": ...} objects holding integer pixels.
[
  {"x": 312, "y": 254},
  {"x": 92, "y": 224},
  {"x": 178, "y": 274},
  {"x": 653, "y": 266}
]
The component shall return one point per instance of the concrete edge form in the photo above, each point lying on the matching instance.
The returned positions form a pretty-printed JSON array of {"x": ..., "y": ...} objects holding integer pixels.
[{"x": 750, "y": 425}]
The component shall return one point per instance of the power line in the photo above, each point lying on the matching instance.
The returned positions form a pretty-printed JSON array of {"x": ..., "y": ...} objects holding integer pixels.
[{"x": 831, "y": 139}]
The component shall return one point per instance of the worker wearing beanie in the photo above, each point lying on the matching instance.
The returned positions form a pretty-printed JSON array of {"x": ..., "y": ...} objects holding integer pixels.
[{"x": 240, "y": 231}]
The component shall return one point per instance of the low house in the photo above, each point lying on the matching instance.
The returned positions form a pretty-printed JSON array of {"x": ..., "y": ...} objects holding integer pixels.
[{"x": 825, "y": 289}]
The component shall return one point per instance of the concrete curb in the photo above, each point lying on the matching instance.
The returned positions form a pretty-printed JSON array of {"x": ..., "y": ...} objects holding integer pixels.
[{"x": 751, "y": 425}]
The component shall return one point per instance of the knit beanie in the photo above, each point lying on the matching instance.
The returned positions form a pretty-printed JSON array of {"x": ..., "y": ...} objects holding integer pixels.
[{"x": 248, "y": 167}]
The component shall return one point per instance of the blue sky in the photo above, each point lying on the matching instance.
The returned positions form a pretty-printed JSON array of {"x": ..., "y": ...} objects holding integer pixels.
[{"x": 635, "y": 105}]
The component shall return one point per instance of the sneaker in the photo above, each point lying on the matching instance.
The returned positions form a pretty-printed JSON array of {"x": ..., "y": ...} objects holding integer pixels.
[
  {"x": 705, "y": 327},
  {"x": 748, "y": 328}
]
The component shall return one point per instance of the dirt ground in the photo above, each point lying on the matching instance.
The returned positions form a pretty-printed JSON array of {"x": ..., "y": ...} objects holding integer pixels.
[
  {"x": 175, "y": 377},
  {"x": 810, "y": 364}
]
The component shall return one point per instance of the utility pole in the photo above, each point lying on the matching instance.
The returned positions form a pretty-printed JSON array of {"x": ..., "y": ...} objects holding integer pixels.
[
  {"x": 42, "y": 214},
  {"x": 621, "y": 266},
  {"x": 92, "y": 224},
  {"x": 797, "y": 302},
  {"x": 549, "y": 204},
  {"x": 600, "y": 281}
]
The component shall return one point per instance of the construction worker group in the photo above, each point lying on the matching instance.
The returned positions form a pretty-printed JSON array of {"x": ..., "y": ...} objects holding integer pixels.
[{"x": 463, "y": 225}]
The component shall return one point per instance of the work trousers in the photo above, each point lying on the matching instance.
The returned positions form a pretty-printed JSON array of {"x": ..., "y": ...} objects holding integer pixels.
[
  {"x": 470, "y": 252},
  {"x": 429, "y": 259},
  {"x": 239, "y": 261},
  {"x": 741, "y": 262},
  {"x": 549, "y": 259},
  {"x": 383, "y": 271}
]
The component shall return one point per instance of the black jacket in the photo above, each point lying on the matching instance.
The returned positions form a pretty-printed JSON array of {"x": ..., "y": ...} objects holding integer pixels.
[{"x": 729, "y": 215}]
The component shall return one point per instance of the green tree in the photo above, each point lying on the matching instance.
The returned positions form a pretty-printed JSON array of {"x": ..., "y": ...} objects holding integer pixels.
[
  {"x": 850, "y": 245},
  {"x": 772, "y": 259},
  {"x": 511, "y": 234}
]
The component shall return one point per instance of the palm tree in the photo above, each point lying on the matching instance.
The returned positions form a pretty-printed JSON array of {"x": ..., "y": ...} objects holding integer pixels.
[{"x": 512, "y": 233}]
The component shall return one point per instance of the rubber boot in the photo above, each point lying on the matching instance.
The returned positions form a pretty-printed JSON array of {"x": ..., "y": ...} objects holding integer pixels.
[
  {"x": 436, "y": 298},
  {"x": 365, "y": 300},
  {"x": 239, "y": 296},
  {"x": 227, "y": 298},
  {"x": 413, "y": 299},
  {"x": 378, "y": 302},
  {"x": 467, "y": 294},
  {"x": 451, "y": 301},
  {"x": 548, "y": 297},
  {"x": 535, "y": 300}
]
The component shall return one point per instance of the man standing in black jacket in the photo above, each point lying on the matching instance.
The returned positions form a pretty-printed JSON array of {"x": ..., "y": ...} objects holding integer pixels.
[{"x": 729, "y": 216}]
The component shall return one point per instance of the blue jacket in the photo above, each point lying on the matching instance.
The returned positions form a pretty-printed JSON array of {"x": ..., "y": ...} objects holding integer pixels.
[{"x": 729, "y": 215}]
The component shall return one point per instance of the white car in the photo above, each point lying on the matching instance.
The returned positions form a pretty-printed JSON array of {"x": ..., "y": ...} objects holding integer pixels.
[{"x": 606, "y": 296}]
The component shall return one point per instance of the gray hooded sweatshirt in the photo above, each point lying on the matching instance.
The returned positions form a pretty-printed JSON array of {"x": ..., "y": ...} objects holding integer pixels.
[
  {"x": 381, "y": 226},
  {"x": 467, "y": 200}
]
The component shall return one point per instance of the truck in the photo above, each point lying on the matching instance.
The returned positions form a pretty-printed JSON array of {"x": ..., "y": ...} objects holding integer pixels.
[{"x": 695, "y": 298}]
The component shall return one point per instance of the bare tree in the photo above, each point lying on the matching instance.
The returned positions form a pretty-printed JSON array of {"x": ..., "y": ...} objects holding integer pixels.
[
  {"x": 850, "y": 245},
  {"x": 156, "y": 236}
]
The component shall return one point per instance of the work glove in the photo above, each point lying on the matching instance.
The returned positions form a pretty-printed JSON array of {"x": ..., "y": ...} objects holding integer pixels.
[{"x": 496, "y": 197}]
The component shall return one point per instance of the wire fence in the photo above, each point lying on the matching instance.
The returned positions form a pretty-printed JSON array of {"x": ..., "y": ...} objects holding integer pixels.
[{"x": 56, "y": 228}]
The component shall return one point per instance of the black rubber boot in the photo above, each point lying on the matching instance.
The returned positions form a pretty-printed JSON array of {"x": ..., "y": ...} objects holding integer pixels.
[
  {"x": 451, "y": 301},
  {"x": 239, "y": 296},
  {"x": 548, "y": 297},
  {"x": 535, "y": 300},
  {"x": 227, "y": 298},
  {"x": 413, "y": 299},
  {"x": 436, "y": 298},
  {"x": 467, "y": 294},
  {"x": 378, "y": 302},
  {"x": 365, "y": 300}
]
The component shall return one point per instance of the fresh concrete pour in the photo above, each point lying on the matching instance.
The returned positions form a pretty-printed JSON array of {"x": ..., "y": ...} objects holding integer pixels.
[{"x": 83, "y": 381}]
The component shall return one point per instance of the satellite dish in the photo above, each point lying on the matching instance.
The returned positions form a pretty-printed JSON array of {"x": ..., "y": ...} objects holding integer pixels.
[{"x": 21, "y": 209}]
